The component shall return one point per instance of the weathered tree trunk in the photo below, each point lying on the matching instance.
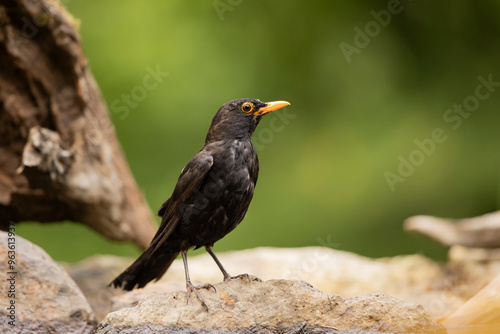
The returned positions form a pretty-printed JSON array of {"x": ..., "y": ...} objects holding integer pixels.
[
  {"x": 59, "y": 155},
  {"x": 479, "y": 232}
]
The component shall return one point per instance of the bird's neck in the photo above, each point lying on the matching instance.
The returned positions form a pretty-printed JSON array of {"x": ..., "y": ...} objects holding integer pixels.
[
  {"x": 215, "y": 136},
  {"x": 229, "y": 131}
]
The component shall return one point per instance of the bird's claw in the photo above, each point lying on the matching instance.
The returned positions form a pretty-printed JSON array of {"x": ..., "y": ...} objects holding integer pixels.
[
  {"x": 241, "y": 276},
  {"x": 206, "y": 286},
  {"x": 191, "y": 288}
]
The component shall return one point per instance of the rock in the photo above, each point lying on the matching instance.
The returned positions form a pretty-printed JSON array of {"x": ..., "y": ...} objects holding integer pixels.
[
  {"x": 132, "y": 298},
  {"x": 274, "y": 306},
  {"x": 411, "y": 277},
  {"x": 93, "y": 276},
  {"x": 44, "y": 298}
]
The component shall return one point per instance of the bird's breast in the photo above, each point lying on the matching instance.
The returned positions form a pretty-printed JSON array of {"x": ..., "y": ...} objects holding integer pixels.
[
  {"x": 232, "y": 180},
  {"x": 225, "y": 195}
]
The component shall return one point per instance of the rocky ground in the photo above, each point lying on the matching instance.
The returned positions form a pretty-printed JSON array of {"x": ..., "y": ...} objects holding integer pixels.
[
  {"x": 275, "y": 306},
  {"x": 40, "y": 297},
  {"x": 345, "y": 293}
]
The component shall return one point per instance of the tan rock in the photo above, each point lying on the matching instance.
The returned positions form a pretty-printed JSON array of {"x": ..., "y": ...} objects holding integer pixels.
[
  {"x": 93, "y": 276},
  {"x": 414, "y": 278},
  {"x": 268, "y": 307},
  {"x": 46, "y": 299}
]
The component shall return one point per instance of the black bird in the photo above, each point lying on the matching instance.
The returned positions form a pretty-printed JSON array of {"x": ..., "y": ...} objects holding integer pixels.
[{"x": 211, "y": 196}]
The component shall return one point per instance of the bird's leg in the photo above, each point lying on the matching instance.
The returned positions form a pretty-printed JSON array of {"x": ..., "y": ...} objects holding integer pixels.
[
  {"x": 190, "y": 287},
  {"x": 227, "y": 277}
]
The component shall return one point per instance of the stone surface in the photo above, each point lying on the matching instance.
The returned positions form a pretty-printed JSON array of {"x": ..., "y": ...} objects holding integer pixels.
[
  {"x": 440, "y": 289},
  {"x": 274, "y": 306},
  {"x": 93, "y": 276},
  {"x": 45, "y": 298}
]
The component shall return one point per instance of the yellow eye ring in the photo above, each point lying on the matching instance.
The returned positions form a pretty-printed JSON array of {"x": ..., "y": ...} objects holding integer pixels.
[{"x": 247, "y": 107}]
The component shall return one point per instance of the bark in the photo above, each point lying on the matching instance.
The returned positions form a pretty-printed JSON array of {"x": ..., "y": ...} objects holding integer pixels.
[
  {"x": 59, "y": 155},
  {"x": 481, "y": 232}
]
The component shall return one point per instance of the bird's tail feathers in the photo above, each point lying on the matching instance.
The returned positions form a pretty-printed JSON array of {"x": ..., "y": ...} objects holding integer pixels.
[{"x": 146, "y": 268}]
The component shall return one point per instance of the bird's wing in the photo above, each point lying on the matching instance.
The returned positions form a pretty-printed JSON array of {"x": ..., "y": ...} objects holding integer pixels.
[{"x": 190, "y": 180}]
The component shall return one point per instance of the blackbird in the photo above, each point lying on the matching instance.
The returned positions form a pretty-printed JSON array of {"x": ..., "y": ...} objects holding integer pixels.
[{"x": 211, "y": 196}]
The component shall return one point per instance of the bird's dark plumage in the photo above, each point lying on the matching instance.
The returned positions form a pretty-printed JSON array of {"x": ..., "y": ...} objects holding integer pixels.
[{"x": 211, "y": 196}]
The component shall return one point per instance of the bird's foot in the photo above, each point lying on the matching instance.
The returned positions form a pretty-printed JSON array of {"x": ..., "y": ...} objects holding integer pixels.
[
  {"x": 206, "y": 286},
  {"x": 241, "y": 276},
  {"x": 191, "y": 288}
]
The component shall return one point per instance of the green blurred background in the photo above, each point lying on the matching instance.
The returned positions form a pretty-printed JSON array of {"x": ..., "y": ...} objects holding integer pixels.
[{"x": 323, "y": 158}]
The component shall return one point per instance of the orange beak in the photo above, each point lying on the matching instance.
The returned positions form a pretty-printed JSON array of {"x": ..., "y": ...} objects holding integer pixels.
[{"x": 271, "y": 106}]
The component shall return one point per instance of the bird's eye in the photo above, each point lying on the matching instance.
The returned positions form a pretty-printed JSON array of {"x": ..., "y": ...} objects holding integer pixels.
[{"x": 247, "y": 107}]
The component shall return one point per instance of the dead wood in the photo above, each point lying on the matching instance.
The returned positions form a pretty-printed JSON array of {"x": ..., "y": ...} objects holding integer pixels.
[{"x": 59, "y": 155}]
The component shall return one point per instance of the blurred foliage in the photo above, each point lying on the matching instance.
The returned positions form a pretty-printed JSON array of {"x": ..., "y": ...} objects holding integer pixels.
[{"x": 322, "y": 174}]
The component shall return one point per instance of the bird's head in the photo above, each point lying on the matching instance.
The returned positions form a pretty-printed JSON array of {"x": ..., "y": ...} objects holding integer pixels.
[{"x": 238, "y": 119}]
